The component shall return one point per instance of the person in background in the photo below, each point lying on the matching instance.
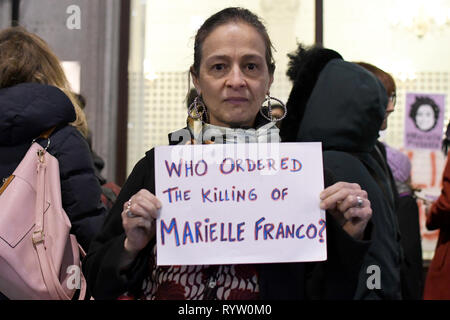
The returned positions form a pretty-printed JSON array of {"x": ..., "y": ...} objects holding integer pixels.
[
  {"x": 99, "y": 163},
  {"x": 233, "y": 71},
  {"x": 379, "y": 152},
  {"x": 343, "y": 106},
  {"x": 110, "y": 190},
  {"x": 408, "y": 217},
  {"x": 412, "y": 279},
  {"x": 438, "y": 218},
  {"x": 34, "y": 97}
]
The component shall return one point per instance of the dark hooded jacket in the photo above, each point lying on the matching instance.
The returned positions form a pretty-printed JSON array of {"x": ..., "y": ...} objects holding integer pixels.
[
  {"x": 26, "y": 111},
  {"x": 344, "y": 110}
]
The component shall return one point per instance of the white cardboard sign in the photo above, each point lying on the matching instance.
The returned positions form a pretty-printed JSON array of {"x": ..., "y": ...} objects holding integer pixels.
[{"x": 240, "y": 203}]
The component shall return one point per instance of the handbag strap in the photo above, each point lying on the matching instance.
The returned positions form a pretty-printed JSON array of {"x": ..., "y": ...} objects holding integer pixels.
[
  {"x": 49, "y": 274},
  {"x": 38, "y": 233}
]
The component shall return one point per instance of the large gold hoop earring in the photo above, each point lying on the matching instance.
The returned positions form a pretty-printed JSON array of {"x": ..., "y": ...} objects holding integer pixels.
[
  {"x": 269, "y": 116},
  {"x": 197, "y": 110}
]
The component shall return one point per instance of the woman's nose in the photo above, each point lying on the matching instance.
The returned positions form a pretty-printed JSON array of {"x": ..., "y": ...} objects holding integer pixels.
[{"x": 235, "y": 78}]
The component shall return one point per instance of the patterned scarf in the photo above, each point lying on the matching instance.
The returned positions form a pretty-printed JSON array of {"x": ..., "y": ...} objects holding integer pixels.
[{"x": 204, "y": 133}]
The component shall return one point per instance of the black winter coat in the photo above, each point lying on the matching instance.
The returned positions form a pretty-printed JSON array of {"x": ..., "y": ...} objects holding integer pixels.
[
  {"x": 345, "y": 111},
  {"x": 26, "y": 111}
]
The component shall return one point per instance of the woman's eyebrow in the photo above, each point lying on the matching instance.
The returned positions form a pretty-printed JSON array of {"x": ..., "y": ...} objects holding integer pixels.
[
  {"x": 227, "y": 57},
  {"x": 217, "y": 57},
  {"x": 252, "y": 56}
]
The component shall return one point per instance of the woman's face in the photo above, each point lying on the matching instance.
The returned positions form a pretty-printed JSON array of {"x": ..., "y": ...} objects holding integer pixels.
[
  {"x": 425, "y": 117},
  {"x": 233, "y": 79},
  {"x": 389, "y": 109}
]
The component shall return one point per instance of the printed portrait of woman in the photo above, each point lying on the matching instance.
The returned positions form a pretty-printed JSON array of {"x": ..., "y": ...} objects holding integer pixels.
[{"x": 424, "y": 113}]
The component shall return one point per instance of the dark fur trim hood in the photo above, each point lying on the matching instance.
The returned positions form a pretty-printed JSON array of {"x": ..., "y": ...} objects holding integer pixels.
[
  {"x": 304, "y": 68},
  {"x": 333, "y": 101},
  {"x": 345, "y": 110}
]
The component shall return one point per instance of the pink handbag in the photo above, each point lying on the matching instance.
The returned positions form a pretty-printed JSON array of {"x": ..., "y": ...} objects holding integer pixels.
[{"x": 39, "y": 259}]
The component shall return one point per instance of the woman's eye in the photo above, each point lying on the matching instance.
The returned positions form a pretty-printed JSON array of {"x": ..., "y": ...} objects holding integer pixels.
[
  {"x": 251, "y": 66},
  {"x": 218, "y": 67}
]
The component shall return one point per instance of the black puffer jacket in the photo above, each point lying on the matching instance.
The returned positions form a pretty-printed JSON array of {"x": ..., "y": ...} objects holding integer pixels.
[
  {"x": 344, "y": 111},
  {"x": 26, "y": 111}
]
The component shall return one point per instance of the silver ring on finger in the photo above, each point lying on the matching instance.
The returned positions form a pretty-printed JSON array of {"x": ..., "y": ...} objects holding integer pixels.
[
  {"x": 129, "y": 213},
  {"x": 359, "y": 201}
]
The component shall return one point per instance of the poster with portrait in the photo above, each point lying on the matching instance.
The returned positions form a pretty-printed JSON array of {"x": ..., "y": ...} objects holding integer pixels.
[{"x": 424, "y": 118}]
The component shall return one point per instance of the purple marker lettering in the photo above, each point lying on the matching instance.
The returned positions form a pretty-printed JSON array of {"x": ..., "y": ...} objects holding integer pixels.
[
  {"x": 187, "y": 233},
  {"x": 324, "y": 226},
  {"x": 284, "y": 165},
  {"x": 212, "y": 230},
  {"x": 169, "y": 193},
  {"x": 284, "y": 193},
  {"x": 275, "y": 194},
  {"x": 271, "y": 164},
  {"x": 222, "y": 232},
  {"x": 251, "y": 166},
  {"x": 290, "y": 232},
  {"x": 258, "y": 227},
  {"x": 205, "y": 168},
  {"x": 188, "y": 168},
  {"x": 206, "y": 229},
  {"x": 260, "y": 164},
  {"x": 178, "y": 195},
  {"x": 239, "y": 165},
  {"x": 297, "y": 165},
  {"x": 198, "y": 233},
  {"x": 280, "y": 231},
  {"x": 240, "y": 230},
  {"x": 308, "y": 233},
  {"x": 174, "y": 168},
  {"x": 205, "y": 196},
  {"x": 267, "y": 230},
  {"x": 221, "y": 167},
  {"x": 252, "y": 196},
  {"x": 297, "y": 232},
  {"x": 172, "y": 227},
  {"x": 230, "y": 227},
  {"x": 241, "y": 195}
]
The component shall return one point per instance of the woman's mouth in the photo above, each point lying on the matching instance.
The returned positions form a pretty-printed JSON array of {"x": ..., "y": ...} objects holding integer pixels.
[{"x": 236, "y": 100}]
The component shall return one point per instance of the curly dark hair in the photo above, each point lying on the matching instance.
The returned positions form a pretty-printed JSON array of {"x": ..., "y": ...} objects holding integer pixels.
[{"x": 420, "y": 101}]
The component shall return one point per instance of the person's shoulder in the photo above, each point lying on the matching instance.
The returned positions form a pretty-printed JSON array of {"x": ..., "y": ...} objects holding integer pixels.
[
  {"x": 344, "y": 164},
  {"x": 147, "y": 161},
  {"x": 338, "y": 156},
  {"x": 150, "y": 154},
  {"x": 68, "y": 137}
]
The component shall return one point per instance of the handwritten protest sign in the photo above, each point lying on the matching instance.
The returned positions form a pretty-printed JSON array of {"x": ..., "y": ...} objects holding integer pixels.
[{"x": 240, "y": 203}]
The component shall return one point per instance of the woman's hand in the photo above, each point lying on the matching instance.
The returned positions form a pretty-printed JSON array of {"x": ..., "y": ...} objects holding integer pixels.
[
  {"x": 138, "y": 220},
  {"x": 349, "y": 205}
]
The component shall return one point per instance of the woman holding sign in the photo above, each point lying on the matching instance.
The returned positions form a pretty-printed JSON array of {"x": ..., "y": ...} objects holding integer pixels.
[{"x": 232, "y": 72}]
